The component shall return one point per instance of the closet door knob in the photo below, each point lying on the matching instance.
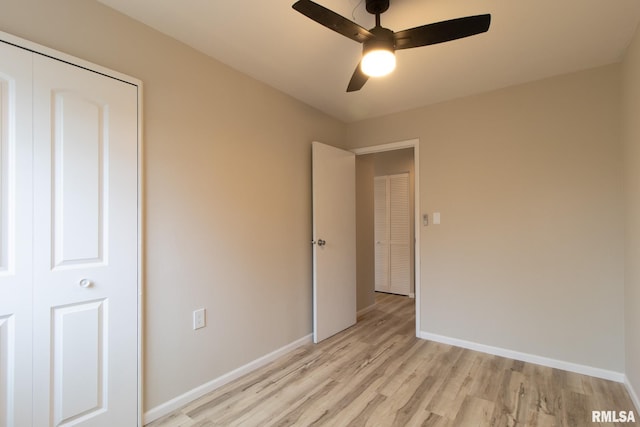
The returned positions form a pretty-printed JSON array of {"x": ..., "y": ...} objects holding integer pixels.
[{"x": 85, "y": 283}]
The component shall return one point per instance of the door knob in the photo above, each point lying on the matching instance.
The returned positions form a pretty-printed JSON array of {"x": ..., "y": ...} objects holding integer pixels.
[{"x": 85, "y": 283}]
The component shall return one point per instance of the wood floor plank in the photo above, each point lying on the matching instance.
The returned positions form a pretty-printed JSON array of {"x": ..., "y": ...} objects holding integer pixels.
[
  {"x": 475, "y": 412},
  {"x": 365, "y": 377},
  {"x": 435, "y": 420},
  {"x": 401, "y": 369},
  {"x": 486, "y": 384},
  {"x": 176, "y": 419},
  {"x": 298, "y": 408},
  {"x": 361, "y": 419},
  {"x": 413, "y": 411},
  {"x": 377, "y": 373},
  {"x": 544, "y": 390},
  {"x": 453, "y": 390},
  {"x": 512, "y": 399},
  {"x": 576, "y": 412}
]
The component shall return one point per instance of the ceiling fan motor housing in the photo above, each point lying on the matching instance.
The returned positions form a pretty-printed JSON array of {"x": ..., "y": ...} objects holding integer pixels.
[
  {"x": 376, "y": 7},
  {"x": 383, "y": 40}
]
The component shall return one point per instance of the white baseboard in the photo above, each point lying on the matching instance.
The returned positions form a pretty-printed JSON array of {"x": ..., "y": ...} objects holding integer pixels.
[
  {"x": 632, "y": 393},
  {"x": 178, "y": 402},
  {"x": 525, "y": 357}
]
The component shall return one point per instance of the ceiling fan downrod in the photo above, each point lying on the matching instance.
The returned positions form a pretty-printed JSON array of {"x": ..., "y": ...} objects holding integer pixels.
[{"x": 377, "y": 7}]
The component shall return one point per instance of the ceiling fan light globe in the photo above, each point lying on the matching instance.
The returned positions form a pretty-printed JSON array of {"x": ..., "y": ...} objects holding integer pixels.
[{"x": 378, "y": 62}]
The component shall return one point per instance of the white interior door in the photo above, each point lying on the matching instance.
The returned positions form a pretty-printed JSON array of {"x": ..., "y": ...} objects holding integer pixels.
[
  {"x": 85, "y": 247},
  {"x": 15, "y": 237},
  {"x": 334, "y": 236}
]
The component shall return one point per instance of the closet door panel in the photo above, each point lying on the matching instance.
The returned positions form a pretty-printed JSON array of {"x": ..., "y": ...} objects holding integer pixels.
[
  {"x": 15, "y": 236},
  {"x": 85, "y": 247},
  {"x": 80, "y": 162},
  {"x": 80, "y": 353},
  {"x": 399, "y": 235},
  {"x": 381, "y": 234}
]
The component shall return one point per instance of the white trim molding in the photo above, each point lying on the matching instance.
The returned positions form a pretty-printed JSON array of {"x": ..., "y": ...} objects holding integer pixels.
[
  {"x": 530, "y": 358},
  {"x": 409, "y": 143},
  {"x": 191, "y": 395},
  {"x": 632, "y": 393},
  {"x": 415, "y": 144}
]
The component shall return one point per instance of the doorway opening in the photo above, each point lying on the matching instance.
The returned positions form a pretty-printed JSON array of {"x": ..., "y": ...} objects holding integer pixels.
[{"x": 385, "y": 160}]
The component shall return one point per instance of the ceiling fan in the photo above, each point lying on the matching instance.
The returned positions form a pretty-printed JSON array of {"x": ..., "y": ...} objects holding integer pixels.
[{"x": 380, "y": 44}]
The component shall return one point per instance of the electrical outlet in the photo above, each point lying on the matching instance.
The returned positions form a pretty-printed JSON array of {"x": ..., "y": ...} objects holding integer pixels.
[{"x": 199, "y": 319}]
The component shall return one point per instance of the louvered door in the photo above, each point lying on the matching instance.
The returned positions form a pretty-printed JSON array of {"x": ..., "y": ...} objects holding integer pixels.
[{"x": 392, "y": 234}]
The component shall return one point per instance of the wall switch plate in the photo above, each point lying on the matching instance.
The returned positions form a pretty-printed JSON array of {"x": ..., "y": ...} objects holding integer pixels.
[
  {"x": 199, "y": 319},
  {"x": 436, "y": 218}
]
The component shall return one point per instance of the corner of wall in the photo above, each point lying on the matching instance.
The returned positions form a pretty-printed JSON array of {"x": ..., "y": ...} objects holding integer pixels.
[
  {"x": 529, "y": 358},
  {"x": 630, "y": 83},
  {"x": 193, "y": 394},
  {"x": 632, "y": 393}
]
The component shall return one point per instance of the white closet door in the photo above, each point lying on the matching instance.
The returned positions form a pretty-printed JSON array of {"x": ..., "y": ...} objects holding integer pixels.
[
  {"x": 15, "y": 237},
  {"x": 399, "y": 235},
  {"x": 381, "y": 233},
  {"x": 392, "y": 234},
  {"x": 85, "y": 247}
]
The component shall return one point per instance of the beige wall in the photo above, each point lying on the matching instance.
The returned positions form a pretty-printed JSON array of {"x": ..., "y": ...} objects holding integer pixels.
[
  {"x": 529, "y": 254},
  {"x": 369, "y": 166},
  {"x": 631, "y": 140},
  {"x": 365, "y": 250},
  {"x": 227, "y": 194}
]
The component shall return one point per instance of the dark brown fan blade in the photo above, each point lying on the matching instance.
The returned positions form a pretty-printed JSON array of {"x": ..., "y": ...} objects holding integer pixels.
[
  {"x": 358, "y": 79},
  {"x": 332, "y": 20},
  {"x": 442, "y": 31}
]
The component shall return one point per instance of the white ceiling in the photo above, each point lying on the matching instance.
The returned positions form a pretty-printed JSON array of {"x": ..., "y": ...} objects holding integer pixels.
[{"x": 268, "y": 40}]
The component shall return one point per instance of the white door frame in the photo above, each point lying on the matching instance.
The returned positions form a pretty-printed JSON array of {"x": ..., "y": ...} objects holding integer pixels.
[
  {"x": 52, "y": 53},
  {"x": 415, "y": 144}
]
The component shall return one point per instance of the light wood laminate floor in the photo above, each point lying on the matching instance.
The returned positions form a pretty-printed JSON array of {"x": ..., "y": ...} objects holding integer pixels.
[{"x": 377, "y": 373}]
